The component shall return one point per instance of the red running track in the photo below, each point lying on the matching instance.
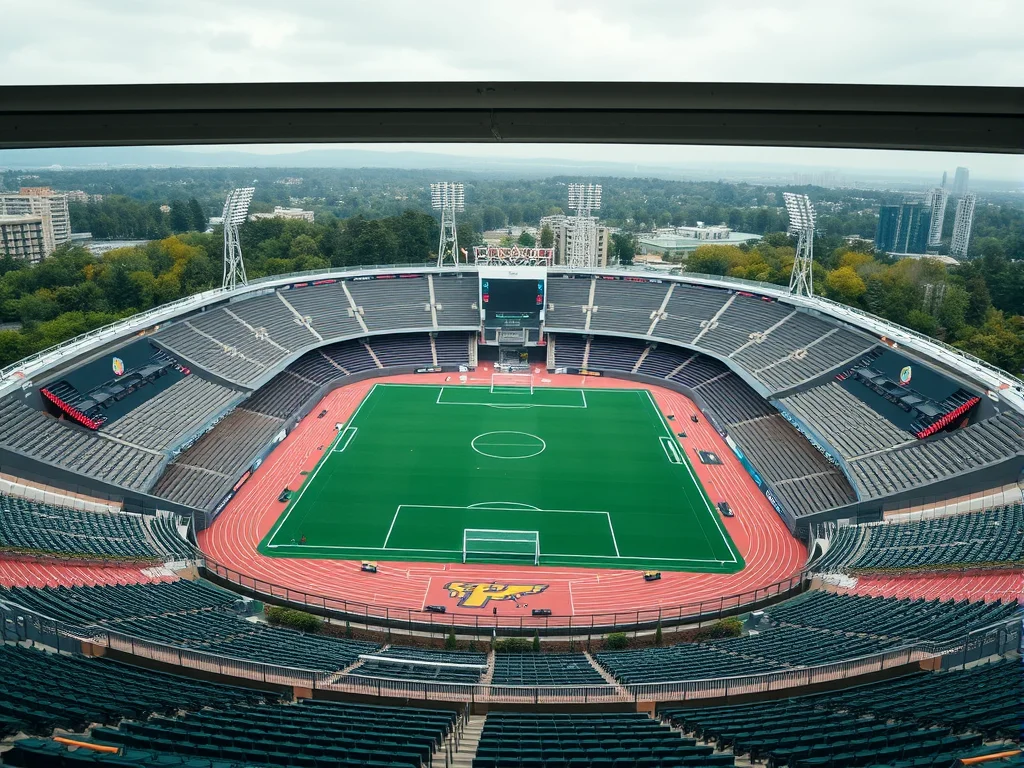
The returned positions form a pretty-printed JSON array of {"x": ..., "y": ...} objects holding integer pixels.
[
  {"x": 771, "y": 554},
  {"x": 26, "y": 573},
  {"x": 993, "y": 585}
]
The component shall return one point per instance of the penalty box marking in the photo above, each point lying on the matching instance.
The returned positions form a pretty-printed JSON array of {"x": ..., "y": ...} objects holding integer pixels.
[
  {"x": 441, "y": 401},
  {"x": 475, "y": 508},
  {"x": 344, "y": 439}
]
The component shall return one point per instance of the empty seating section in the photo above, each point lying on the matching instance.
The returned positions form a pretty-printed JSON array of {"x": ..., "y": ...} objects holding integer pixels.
[
  {"x": 927, "y": 718},
  {"x": 188, "y": 614},
  {"x": 353, "y": 356},
  {"x": 224, "y": 326},
  {"x": 985, "y": 538},
  {"x": 625, "y": 307},
  {"x": 843, "y": 547},
  {"x": 815, "y": 628},
  {"x": 164, "y": 530},
  {"x": 413, "y": 349},
  {"x": 342, "y": 734},
  {"x": 90, "y": 605},
  {"x": 171, "y": 417},
  {"x": 798, "y": 733},
  {"x": 732, "y": 399},
  {"x": 567, "y": 296},
  {"x": 452, "y": 348},
  {"x": 743, "y": 317},
  {"x": 988, "y": 699},
  {"x": 582, "y": 740},
  {"x": 904, "y": 619},
  {"x": 32, "y": 527},
  {"x": 663, "y": 359},
  {"x": 38, "y": 436},
  {"x": 393, "y": 304},
  {"x": 838, "y": 349},
  {"x": 608, "y": 353},
  {"x": 687, "y": 661},
  {"x": 455, "y": 300},
  {"x": 544, "y": 669},
  {"x": 282, "y": 395},
  {"x": 977, "y": 445},
  {"x": 688, "y": 308},
  {"x": 848, "y": 424},
  {"x": 271, "y": 315},
  {"x": 41, "y": 691},
  {"x": 700, "y": 369},
  {"x": 225, "y": 635},
  {"x": 422, "y": 670},
  {"x": 569, "y": 350},
  {"x": 801, "y": 476},
  {"x": 186, "y": 343},
  {"x": 327, "y": 309},
  {"x": 203, "y": 473},
  {"x": 796, "y": 331}
]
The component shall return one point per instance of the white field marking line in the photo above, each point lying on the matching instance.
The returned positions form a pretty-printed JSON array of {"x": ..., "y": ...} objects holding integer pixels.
[
  {"x": 351, "y": 433},
  {"x": 309, "y": 480},
  {"x": 391, "y": 527},
  {"x": 700, "y": 487},
  {"x": 441, "y": 401},
  {"x": 509, "y": 504},
  {"x": 572, "y": 605},
  {"x": 543, "y": 445},
  {"x": 584, "y": 396},
  {"x": 612, "y": 529},
  {"x": 671, "y": 450},
  {"x": 426, "y": 593}
]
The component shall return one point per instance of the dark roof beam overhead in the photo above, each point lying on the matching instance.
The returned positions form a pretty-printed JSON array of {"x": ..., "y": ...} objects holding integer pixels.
[{"x": 942, "y": 118}]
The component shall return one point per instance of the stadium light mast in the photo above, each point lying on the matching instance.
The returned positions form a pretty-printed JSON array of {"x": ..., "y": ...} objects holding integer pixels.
[
  {"x": 236, "y": 208},
  {"x": 801, "y": 223},
  {"x": 448, "y": 197},
  {"x": 582, "y": 251}
]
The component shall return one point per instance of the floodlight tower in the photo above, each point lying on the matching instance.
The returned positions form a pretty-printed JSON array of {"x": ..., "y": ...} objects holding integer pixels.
[
  {"x": 448, "y": 197},
  {"x": 583, "y": 198},
  {"x": 801, "y": 223},
  {"x": 236, "y": 208}
]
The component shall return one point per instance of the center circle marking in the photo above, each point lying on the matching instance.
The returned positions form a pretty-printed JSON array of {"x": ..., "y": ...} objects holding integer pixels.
[{"x": 508, "y": 445}]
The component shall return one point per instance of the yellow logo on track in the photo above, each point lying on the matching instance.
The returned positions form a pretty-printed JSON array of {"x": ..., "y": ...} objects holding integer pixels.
[{"x": 478, "y": 595}]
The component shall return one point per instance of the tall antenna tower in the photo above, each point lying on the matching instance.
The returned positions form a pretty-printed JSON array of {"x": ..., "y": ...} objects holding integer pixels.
[
  {"x": 448, "y": 197},
  {"x": 236, "y": 208},
  {"x": 582, "y": 251},
  {"x": 801, "y": 223}
]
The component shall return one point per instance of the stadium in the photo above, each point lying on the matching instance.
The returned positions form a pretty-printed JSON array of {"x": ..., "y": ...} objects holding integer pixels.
[{"x": 517, "y": 515}]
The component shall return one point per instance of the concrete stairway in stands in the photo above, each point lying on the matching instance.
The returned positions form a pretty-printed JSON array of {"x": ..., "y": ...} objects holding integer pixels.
[{"x": 468, "y": 742}]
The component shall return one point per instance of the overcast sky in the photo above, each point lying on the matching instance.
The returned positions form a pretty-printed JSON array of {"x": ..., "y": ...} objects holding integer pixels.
[{"x": 924, "y": 42}]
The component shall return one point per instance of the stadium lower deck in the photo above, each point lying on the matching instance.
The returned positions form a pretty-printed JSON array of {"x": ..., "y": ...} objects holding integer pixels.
[{"x": 771, "y": 554}]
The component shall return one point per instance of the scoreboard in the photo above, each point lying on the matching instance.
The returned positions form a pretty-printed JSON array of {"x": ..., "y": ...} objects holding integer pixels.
[{"x": 512, "y": 297}]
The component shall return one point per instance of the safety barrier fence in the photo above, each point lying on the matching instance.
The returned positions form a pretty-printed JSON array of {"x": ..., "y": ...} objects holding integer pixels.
[
  {"x": 481, "y": 624},
  {"x": 999, "y": 638}
]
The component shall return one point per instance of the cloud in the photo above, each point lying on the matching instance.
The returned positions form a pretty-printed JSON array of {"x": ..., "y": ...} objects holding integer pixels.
[{"x": 928, "y": 42}]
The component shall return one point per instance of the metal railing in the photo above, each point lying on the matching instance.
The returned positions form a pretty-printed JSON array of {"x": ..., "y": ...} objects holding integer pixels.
[
  {"x": 997, "y": 638},
  {"x": 483, "y": 625}
]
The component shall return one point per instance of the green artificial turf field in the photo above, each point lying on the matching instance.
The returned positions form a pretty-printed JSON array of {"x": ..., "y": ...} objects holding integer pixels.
[{"x": 596, "y": 477}]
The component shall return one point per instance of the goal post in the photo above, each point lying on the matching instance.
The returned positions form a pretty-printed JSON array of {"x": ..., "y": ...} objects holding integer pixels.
[
  {"x": 520, "y": 383},
  {"x": 491, "y": 544}
]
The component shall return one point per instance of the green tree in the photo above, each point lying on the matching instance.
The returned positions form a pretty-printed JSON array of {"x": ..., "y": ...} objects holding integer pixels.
[
  {"x": 536, "y": 641},
  {"x": 547, "y": 237},
  {"x": 450, "y": 642},
  {"x": 845, "y": 285},
  {"x": 526, "y": 240},
  {"x": 623, "y": 247},
  {"x": 197, "y": 217},
  {"x": 181, "y": 216}
]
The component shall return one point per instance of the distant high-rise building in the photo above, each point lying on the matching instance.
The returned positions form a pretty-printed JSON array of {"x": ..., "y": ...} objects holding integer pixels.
[
  {"x": 51, "y": 206},
  {"x": 962, "y": 225},
  {"x": 888, "y": 228},
  {"x": 904, "y": 228},
  {"x": 938, "y": 215},
  {"x": 564, "y": 232},
  {"x": 960, "y": 181},
  {"x": 22, "y": 238},
  {"x": 943, "y": 179}
]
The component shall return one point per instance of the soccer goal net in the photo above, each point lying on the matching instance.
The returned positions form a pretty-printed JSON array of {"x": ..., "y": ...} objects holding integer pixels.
[
  {"x": 512, "y": 382},
  {"x": 511, "y": 546}
]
